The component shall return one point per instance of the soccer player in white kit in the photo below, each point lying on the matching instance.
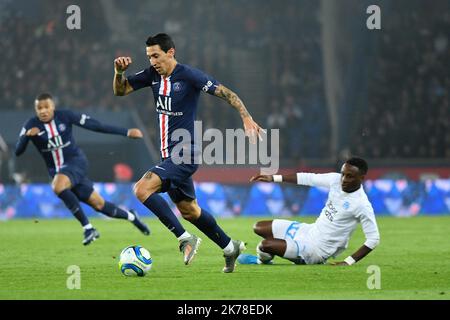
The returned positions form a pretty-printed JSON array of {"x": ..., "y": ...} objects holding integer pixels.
[{"x": 328, "y": 236}]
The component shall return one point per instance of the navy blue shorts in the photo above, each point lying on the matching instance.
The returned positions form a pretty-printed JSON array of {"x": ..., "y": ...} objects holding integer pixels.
[
  {"x": 81, "y": 185},
  {"x": 176, "y": 179}
]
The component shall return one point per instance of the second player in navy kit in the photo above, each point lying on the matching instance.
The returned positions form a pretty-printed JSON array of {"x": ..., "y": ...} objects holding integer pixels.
[
  {"x": 176, "y": 88},
  {"x": 51, "y": 133}
]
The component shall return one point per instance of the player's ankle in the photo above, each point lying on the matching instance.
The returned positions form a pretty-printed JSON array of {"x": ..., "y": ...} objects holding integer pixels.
[
  {"x": 184, "y": 236},
  {"x": 229, "y": 248},
  {"x": 88, "y": 226}
]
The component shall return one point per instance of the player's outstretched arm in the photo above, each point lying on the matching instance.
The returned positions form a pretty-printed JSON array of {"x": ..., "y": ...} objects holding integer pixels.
[
  {"x": 121, "y": 87},
  {"x": 300, "y": 178},
  {"x": 289, "y": 178},
  {"x": 252, "y": 129},
  {"x": 358, "y": 255},
  {"x": 85, "y": 121}
]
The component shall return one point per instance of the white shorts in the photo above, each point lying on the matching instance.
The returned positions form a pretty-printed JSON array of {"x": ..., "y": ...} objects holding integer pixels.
[{"x": 298, "y": 243}]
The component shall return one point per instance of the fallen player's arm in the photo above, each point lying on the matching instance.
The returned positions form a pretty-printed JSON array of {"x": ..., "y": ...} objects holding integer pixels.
[
  {"x": 289, "y": 178},
  {"x": 358, "y": 255},
  {"x": 370, "y": 229},
  {"x": 300, "y": 178}
]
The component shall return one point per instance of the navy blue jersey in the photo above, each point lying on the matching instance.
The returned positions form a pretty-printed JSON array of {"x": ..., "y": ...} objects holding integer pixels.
[
  {"x": 55, "y": 141},
  {"x": 176, "y": 99}
]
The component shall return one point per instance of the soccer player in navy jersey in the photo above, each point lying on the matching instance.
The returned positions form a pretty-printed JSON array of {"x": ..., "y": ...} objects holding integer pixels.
[
  {"x": 176, "y": 88},
  {"x": 51, "y": 133}
]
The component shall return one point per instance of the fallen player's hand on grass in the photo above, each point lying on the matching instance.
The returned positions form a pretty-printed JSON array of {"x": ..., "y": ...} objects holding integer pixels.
[{"x": 134, "y": 133}]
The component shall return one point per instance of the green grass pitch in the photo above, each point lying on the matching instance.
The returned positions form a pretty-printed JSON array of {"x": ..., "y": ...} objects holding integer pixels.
[{"x": 413, "y": 257}]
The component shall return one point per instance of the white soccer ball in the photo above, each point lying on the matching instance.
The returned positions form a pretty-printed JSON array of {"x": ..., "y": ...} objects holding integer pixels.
[{"x": 135, "y": 261}]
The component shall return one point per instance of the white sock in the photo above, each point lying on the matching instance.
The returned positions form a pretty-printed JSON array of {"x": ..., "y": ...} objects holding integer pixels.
[
  {"x": 131, "y": 216},
  {"x": 88, "y": 226},
  {"x": 184, "y": 236},
  {"x": 229, "y": 248}
]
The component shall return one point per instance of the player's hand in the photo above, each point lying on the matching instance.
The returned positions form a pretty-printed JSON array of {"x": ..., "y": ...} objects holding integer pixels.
[
  {"x": 252, "y": 130},
  {"x": 134, "y": 133},
  {"x": 121, "y": 63},
  {"x": 339, "y": 263},
  {"x": 32, "y": 132},
  {"x": 261, "y": 178}
]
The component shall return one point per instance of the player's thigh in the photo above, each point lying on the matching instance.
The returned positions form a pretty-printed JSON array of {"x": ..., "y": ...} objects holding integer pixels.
[
  {"x": 283, "y": 229},
  {"x": 263, "y": 229},
  {"x": 189, "y": 209},
  {"x": 83, "y": 189},
  {"x": 60, "y": 183},
  {"x": 183, "y": 190},
  {"x": 302, "y": 251},
  {"x": 147, "y": 185},
  {"x": 72, "y": 176},
  {"x": 96, "y": 201},
  {"x": 176, "y": 177}
]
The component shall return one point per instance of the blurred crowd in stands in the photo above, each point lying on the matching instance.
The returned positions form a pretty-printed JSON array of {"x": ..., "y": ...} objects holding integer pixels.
[
  {"x": 408, "y": 95},
  {"x": 408, "y": 111}
]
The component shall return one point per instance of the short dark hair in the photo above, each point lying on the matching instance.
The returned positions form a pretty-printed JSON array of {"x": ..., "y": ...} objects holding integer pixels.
[
  {"x": 44, "y": 96},
  {"x": 161, "y": 39},
  {"x": 360, "y": 163}
]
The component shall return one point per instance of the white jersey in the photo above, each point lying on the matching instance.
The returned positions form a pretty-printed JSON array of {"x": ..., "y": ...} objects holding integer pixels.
[{"x": 331, "y": 232}]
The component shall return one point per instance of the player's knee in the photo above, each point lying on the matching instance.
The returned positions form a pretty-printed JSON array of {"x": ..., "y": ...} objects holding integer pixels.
[
  {"x": 260, "y": 228},
  {"x": 257, "y": 228},
  {"x": 142, "y": 191},
  {"x": 97, "y": 205},
  {"x": 57, "y": 188},
  {"x": 266, "y": 246}
]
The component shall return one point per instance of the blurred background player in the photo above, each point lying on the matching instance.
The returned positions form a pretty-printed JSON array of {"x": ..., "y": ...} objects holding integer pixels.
[
  {"x": 176, "y": 88},
  {"x": 51, "y": 133},
  {"x": 314, "y": 243}
]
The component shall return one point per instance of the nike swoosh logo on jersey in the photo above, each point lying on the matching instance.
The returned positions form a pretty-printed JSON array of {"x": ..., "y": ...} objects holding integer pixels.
[
  {"x": 41, "y": 133},
  {"x": 154, "y": 82},
  {"x": 160, "y": 168}
]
